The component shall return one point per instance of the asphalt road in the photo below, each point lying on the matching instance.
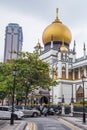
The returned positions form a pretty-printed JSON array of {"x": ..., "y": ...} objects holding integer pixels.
[
  {"x": 45, "y": 123},
  {"x": 2, "y": 123}
]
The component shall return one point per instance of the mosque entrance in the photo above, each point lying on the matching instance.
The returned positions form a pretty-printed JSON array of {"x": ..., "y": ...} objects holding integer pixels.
[
  {"x": 79, "y": 94},
  {"x": 44, "y": 100}
]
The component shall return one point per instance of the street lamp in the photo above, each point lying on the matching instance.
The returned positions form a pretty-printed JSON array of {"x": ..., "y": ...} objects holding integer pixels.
[
  {"x": 63, "y": 107},
  {"x": 12, "y": 112},
  {"x": 84, "y": 116},
  {"x": 63, "y": 99},
  {"x": 72, "y": 100}
]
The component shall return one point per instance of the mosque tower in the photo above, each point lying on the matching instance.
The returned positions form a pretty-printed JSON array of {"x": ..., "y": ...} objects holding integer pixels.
[{"x": 56, "y": 40}]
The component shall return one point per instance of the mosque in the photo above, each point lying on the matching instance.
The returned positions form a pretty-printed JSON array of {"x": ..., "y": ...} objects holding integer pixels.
[{"x": 71, "y": 72}]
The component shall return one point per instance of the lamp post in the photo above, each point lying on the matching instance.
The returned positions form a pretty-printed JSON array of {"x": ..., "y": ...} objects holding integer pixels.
[
  {"x": 84, "y": 118},
  {"x": 12, "y": 112},
  {"x": 63, "y": 107},
  {"x": 72, "y": 101}
]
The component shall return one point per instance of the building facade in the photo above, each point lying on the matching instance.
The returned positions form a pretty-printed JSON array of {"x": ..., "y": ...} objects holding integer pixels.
[
  {"x": 13, "y": 41},
  {"x": 69, "y": 69}
]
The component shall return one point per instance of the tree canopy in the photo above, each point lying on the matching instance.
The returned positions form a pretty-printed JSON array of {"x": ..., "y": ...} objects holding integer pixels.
[{"x": 31, "y": 73}]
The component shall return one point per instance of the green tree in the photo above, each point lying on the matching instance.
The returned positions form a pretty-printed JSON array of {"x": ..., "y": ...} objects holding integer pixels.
[{"x": 31, "y": 73}]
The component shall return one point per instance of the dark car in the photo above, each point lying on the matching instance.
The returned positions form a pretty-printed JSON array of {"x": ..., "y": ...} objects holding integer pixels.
[
  {"x": 51, "y": 111},
  {"x": 54, "y": 110}
]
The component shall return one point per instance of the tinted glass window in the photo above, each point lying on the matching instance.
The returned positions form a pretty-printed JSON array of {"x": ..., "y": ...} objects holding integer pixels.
[
  {"x": 0, "y": 108},
  {"x": 5, "y": 109},
  {"x": 19, "y": 107}
]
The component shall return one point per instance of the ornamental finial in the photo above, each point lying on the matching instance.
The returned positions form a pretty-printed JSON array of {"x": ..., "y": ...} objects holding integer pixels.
[{"x": 56, "y": 13}]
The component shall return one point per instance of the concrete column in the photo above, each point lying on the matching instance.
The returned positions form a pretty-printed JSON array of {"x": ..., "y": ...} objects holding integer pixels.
[
  {"x": 51, "y": 44},
  {"x": 84, "y": 71},
  {"x": 59, "y": 92},
  {"x": 71, "y": 109},
  {"x": 63, "y": 109},
  {"x": 74, "y": 57},
  {"x": 79, "y": 73},
  {"x": 73, "y": 74},
  {"x": 59, "y": 70},
  {"x": 67, "y": 76},
  {"x": 84, "y": 54},
  {"x": 63, "y": 105},
  {"x": 59, "y": 65}
]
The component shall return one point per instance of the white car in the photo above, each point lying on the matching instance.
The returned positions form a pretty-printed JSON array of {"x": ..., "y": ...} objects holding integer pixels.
[
  {"x": 5, "y": 113},
  {"x": 29, "y": 111}
]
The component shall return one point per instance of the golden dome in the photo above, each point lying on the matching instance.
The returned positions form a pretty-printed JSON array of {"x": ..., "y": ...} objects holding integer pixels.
[
  {"x": 58, "y": 30},
  {"x": 63, "y": 48}
]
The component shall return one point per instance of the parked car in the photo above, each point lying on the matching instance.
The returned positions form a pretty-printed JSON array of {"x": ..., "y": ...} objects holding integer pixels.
[
  {"x": 28, "y": 111},
  {"x": 5, "y": 113},
  {"x": 51, "y": 111},
  {"x": 54, "y": 110}
]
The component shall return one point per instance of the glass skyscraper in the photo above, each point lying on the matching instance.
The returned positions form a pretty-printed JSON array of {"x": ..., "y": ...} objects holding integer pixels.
[{"x": 13, "y": 41}]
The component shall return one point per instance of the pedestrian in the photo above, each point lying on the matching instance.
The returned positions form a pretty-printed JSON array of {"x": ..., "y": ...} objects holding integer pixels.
[
  {"x": 45, "y": 110},
  {"x": 41, "y": 108}
]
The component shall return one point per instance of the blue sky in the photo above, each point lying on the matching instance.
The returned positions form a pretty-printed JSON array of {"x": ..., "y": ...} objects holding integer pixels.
[{"x": 35, "y": 15}]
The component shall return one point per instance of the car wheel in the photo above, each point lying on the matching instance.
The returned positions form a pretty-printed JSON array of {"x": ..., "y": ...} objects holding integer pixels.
[{"x": 35, "y": 114}]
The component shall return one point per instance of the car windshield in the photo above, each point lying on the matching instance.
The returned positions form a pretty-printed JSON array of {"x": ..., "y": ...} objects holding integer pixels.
[
  {"x": 23, "y": 107},
  {"x": 10, "y": 109}
]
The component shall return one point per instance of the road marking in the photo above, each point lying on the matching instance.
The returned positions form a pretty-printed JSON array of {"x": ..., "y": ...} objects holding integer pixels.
[
  {"x": 69, "y": 125},
  {"x": 32, "y": 126}
]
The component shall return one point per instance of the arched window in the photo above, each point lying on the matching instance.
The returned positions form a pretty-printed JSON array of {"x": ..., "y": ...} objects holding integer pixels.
[{"x": 79, "y": 94}]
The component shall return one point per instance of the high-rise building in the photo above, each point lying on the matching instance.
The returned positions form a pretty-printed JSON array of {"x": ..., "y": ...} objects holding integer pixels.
[{"x": 13, "y": 41}]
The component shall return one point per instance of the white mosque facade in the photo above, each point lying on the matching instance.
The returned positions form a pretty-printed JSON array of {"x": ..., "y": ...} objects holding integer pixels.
[{"x": 69, "y": 69}]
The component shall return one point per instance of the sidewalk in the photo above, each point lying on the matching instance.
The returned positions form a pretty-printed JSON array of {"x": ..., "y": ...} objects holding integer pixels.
[
  {"x": 76, "y": 121},
  {"x": 18, "y": 125}
]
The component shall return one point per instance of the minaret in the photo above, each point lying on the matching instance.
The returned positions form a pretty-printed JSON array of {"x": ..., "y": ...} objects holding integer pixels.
[
  {"x": 38, "y": 47},
  {"x": 74, "y": 48},
  {"x": 74, "y": 51},
  {"x": 84, "y": 50},
  {"x": 65, "y": 51},
  {"x": 59, "y": 64}
]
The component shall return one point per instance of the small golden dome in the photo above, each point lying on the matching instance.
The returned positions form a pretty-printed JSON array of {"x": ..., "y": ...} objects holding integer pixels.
[
  {"x": 58, "y": 30},
  {"x": 63, "y": 48}
]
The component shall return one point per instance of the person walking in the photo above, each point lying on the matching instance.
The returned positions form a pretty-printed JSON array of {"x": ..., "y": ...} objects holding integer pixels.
[{"x": 45, "y": 110}]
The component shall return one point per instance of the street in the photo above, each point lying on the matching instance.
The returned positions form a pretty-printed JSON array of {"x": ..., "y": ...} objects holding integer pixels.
[
  {"x": 45, "y": 123},
  {"x": 2, "y": 123}
]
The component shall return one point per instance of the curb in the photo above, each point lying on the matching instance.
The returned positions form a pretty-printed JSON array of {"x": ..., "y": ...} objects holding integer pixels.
[
  {"x": 21, "y": 126},
  {"x": 71, "y": 122},
  {"x": 75, "y": 124}
]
